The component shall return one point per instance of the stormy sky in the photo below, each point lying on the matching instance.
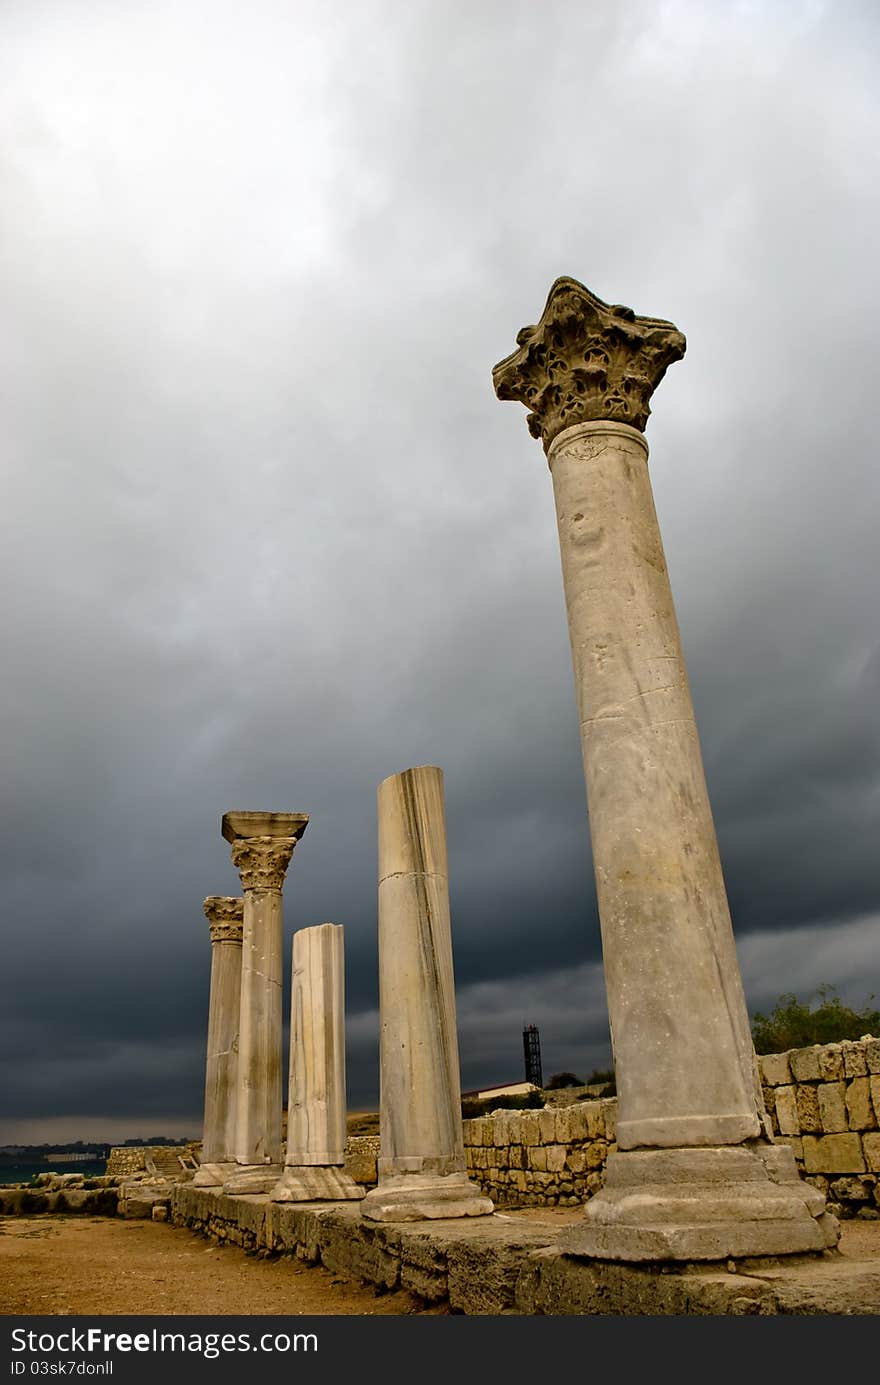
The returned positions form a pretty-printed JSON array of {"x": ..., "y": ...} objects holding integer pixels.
[{"x": 268, "y": 537}]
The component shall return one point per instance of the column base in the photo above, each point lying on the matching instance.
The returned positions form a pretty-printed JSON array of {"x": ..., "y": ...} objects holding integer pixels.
[
  {"x": 214, "y": 1175},
  {"x": 425, "y": 1197},
  {"x": 734, "y": 1201},
  {"x": 253, "y": 1178},
  {"x": 315, "y": 1183}
]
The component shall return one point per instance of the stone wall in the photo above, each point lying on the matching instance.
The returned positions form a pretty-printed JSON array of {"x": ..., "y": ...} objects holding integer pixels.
[
  {"x": 541, "y": 1158},
  {"x": 125, "y": 1160},
  {"x": 361, "y": 1156},
  {"x": 361, "y": 1153},
  {"x": 825, "y": 1102},
  {"x": 93, "y": 1197}
]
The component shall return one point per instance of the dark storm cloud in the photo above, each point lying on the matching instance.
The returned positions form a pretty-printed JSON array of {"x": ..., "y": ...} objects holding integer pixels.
[{"x": 268, "y": 537}]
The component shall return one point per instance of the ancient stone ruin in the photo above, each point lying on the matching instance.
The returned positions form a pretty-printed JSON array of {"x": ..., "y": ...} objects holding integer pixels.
[
  {"x": 706, "y": 1153},
  {"x": 221, "y": 1069},
  {"x": 421, "y": 1165},
  {"x": 262, "y": 845},
  {"x": 696, "y": 1175},
  {"x": 316, "y": 1112},
  {"x": 700, "y": 1156}
]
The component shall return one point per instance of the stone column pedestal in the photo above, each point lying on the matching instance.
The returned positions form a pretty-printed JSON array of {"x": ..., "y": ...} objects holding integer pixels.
[
  {"x": 262, "y": 845},
  {"x": 421, "y": 1165},
  {"x": 696, "y": 1176},
  {"x": 221, "y": 1069},
  {"x": 316, "y": 1105}
]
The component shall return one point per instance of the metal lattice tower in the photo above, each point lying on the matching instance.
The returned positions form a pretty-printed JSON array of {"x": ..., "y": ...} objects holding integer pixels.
[{"x": 532, "y": 1054}]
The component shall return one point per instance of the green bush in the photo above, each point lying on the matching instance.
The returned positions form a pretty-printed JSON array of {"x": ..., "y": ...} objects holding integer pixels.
[
  {"x": 562, "y": 1079},
  {"x": 793, "y": 1024},
  {"x": 607, "y": 1076}
]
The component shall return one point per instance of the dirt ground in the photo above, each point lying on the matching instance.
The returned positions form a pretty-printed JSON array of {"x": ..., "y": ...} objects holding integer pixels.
[
  {"x": 98, "y": 1265},
  {"x": 84, "y": 1265}
]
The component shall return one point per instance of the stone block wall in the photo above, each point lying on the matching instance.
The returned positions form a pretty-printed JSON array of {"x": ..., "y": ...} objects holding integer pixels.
[
  {"x": 125, "y": 1160},
  {"x": 361, "y": 1153},
  {"x": 541, "y": 1158},
  {"x": 361, "y": 1156},
  {"x": 824, "y": 1101}
]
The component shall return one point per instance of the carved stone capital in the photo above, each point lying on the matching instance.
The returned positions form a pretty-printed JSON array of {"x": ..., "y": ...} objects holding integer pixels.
[
  {"x": 225, "y": 915},
  {"x": 261, "y": 862},
  {"x": 586, "y": 361},
  {"x": 239, "y": 824}
]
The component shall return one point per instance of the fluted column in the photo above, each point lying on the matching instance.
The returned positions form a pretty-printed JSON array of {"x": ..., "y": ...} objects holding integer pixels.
[
  {"x": 218, "y": 1135},
  {"x": 262, "y": 845},
  {"x": 316, "y": 1104},
  {"x": 421, "y": 1163},
  {"x": 691, "y": 1180}
]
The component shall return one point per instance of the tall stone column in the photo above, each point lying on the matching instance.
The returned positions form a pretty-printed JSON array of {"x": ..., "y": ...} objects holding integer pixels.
[
  {"x": 221, "y": 1070},
  {"x": 262, "y": 845},
  {"x": 696, "y": 1177},
  {"x": 316, "y": 1104},
  {"x": 421, "y": 1165}
]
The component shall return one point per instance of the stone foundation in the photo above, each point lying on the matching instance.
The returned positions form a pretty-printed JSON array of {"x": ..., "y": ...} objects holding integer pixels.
[{"x": 499, "y": 1264}]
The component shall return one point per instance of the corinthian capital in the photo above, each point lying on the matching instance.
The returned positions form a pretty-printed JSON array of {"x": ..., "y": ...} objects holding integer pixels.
[
  {"x": 586, "y": 361},
  {"x": 262, "y": 862},
  {"x": 225, "y": 915},
  {"x": 262, "y": 845}
]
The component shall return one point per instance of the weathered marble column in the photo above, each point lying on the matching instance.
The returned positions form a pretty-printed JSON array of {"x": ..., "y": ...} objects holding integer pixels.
[
  {"x": 421, "y": 1164},
  {"x": 221, "y": 1070},
  {"x": 696, "y": 1176},
  {"x": 316, "y": 1105},
  {"x": 262, "y": 845}
]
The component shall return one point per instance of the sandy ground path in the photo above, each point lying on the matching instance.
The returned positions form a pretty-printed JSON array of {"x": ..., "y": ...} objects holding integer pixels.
[
  {"x": 100, "y": 1265},
  {"x": 97, "y": 1265}
]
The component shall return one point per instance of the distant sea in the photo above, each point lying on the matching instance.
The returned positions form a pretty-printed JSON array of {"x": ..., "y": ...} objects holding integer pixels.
[{"x": 23, "y": 1173}]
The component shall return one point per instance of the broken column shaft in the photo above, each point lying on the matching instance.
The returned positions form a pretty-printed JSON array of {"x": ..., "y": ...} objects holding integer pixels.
[
  {"x": 316, "y": 1105},
  {"x": 421, "y": 1165}
]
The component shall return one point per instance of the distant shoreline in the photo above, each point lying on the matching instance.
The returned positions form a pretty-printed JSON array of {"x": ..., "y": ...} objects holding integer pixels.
[{"x": 25, "y": 1171}]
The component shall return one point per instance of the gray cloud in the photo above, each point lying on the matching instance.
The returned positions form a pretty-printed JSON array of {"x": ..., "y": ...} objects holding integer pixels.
[{"x": 267, "y": 536}]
